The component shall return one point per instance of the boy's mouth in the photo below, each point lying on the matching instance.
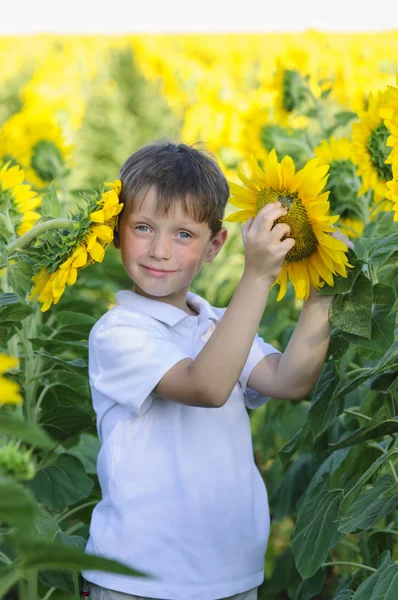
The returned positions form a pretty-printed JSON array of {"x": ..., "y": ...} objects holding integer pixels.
[{"x": 156, "y": 271}]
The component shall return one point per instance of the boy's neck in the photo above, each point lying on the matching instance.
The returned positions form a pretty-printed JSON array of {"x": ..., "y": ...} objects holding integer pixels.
[{"x": 179, "y": 300}]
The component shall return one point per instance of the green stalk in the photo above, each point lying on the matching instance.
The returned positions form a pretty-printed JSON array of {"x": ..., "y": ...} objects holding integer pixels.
[
  {"x": 348, "y": 411},
  {"x": 349, "y": 564}
]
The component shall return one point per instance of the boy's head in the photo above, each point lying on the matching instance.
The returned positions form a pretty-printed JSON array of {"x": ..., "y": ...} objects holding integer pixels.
[
  {"x": 180, "y": 174},
  {"x": 174, "y": 199}
]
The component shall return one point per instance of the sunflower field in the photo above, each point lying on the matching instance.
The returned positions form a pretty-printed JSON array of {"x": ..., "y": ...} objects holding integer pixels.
[{"x": 308, "y": 119}]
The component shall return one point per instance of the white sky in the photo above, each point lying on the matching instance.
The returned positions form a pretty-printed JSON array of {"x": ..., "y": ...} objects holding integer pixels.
[{"x": 129, "y": 16}]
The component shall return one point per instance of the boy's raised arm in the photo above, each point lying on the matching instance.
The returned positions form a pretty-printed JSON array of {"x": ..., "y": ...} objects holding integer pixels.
[{"x": 209, "y": 379}]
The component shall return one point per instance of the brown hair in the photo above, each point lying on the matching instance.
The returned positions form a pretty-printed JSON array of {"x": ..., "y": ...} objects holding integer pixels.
[{"x": 179, "y": 173}]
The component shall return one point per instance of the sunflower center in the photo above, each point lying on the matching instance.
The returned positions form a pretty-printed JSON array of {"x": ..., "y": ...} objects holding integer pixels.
[
  {"x": 378, "y": 150},
  {"x": 293, "y": 90},
  {"x": 47, "y": 160},
  {"x": 297, "y": 218}
]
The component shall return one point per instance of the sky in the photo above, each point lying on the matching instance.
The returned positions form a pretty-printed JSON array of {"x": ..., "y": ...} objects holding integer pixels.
[{"x": 130, "y": 16}]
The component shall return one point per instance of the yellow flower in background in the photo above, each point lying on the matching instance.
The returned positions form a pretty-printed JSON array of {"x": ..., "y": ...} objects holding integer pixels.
[
  {"x": 392, "y": 194},
  {"x": 9, "y": 390},
  {"x": 37, "y": 144},
  {"x": 343, "y": 185},
  {"x": 24, "y": 199},
  {"x": 370, "y": 151},
  {"x": 316, "y": 256},
  {"x": 89, "y": 246},
  {"x": 389, "y": 113}
]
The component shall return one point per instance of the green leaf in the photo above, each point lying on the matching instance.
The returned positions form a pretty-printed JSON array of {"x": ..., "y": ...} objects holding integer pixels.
[
  {"x": 58, "y": 346},
  {"x": 370, "y": 506},
  {"x": 380, "y": 425},
  {"x": 38, "y": 555},
  {"x": 77, "y": 366},
  {"x": 302, "y": 437},
  {"x": 87, "y": 451},
  {"x": 352, "y": 312},
  {"x": 379, "y": 249},
  {"x": 383, "y": 322},
  {"x": 15, "y": 312},
  {"x": 356, "y": 461},
  {"x": 367, "y": 476},
  {"x": 17, "y": 506},
  {"x": 324, "y": 410},
  {"x": 50, "y": 206},
  {"x": 316, "y": 529},
  {"x": 32, "y": 434},
  {"x": 294, "y": 483},
  {"x": 64, "y": 414},
  {"x": 371, "y": 588},
  {"x": 19, "y": 275},
  {"x": 62, "y": 484},
  {"x": 8, "y": 299},
  {"x": 338, "y": 345},
  {"x": 389, "y": 362},
  {"x": 311, "y": 587}
]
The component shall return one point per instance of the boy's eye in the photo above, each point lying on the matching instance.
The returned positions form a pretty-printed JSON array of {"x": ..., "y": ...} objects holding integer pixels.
[{"x": 185, "y": 233}]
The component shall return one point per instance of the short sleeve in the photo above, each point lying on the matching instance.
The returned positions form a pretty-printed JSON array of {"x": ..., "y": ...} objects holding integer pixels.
[
  {"x": 127, "y": 359},
  {"x": 259, "y": 350}
]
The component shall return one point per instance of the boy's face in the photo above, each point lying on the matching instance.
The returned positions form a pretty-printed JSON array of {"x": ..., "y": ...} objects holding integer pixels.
[{"x": 162, "y": 254}]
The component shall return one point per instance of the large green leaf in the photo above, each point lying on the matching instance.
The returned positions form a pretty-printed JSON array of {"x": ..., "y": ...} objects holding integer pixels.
[
  {"x": 357, "y": 460},
  {"x": 28, "y": 432},
  {"x": 365, "y": 478},
  {"x": 379, "y": 249},
  {"x": 311, "y": 587},
  {"x": 58, "y": 346},
  {"x": 17, "y": 506},
  {"x": 383, "y": 322},
  {"x": 76, "y": 366},
  {"x": 381, "y": 424},
  {"x": 370, "y": 506},
  {"x": 61, "y": 484},
  {"x": 64, "y": 413},
  {"x": 38, "y": 555},
  {"x": 324, "y": 410},
  {"x": 302, "y": 437},
  {"x": 388, "y": 362},
  {"x": 316, "y": 528},
  {"x": 14, "y": 313},
  {"x": 294, "y": 483},
  {"x": 378, "y": 585},
  {"x": 352, "y": 312},
  {"x": 87, "y": 451}
]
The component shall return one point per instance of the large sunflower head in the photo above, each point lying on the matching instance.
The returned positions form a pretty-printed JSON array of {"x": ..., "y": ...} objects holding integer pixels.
[
  {"x": 60, "y": 255},
  {"x": 344, "y": 185},
  {"x": 17, "y": 199},
  {"x": 370, "y": 151},
  {"x": 316, "y": 256}
]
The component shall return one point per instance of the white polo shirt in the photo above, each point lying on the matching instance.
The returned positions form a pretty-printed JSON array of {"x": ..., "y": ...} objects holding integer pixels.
[{"x": 182, "y": 498}]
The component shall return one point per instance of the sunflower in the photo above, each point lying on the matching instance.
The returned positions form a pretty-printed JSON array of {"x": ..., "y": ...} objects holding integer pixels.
[
  {"x": 24, "y": 200},
  {"x": 316, "y": 256},
  {"x": 392, "y": 195},
  {"x": 81, "y": 248},
  {"x": 369, "y": 137},
  {"x": 9, "y": 390},
  {"x": 36, "y": 143},
  {"x": 343, "y": 185}
]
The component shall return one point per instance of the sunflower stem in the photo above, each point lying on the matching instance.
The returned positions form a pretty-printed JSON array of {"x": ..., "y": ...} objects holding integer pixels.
[{"x": 39, "y": 229}]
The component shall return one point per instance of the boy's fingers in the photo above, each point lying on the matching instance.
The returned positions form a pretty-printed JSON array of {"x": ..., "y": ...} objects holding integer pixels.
[{"x": 265, "y": 219}]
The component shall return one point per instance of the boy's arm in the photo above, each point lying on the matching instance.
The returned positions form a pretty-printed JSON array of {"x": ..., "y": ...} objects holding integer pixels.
[
  {"x": 293, "y": 374},
  {"x": 208, "y": 380}
]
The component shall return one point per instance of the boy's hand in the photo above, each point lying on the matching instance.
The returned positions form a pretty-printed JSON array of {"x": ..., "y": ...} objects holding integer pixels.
[{"x": 266, "y": 244}]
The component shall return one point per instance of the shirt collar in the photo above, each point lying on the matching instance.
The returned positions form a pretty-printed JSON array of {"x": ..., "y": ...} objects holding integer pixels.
[{"x": 162, "y": 311}]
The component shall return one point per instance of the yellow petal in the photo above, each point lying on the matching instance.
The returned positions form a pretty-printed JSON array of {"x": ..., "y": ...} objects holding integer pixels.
[{"x": 240, "y": 216}]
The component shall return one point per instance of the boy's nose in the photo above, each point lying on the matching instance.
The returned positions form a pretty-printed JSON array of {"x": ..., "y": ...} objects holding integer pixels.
[{"x": 160, "y": 248}]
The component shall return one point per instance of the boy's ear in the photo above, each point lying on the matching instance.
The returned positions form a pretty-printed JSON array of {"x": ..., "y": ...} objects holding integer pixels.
[
  {"x": 116, "y": 239},
  {"x": 216, "y": 243}
]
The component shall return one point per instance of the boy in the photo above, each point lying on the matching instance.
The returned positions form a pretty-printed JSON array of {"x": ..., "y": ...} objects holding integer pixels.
[{"x": 171, "y": 376}]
